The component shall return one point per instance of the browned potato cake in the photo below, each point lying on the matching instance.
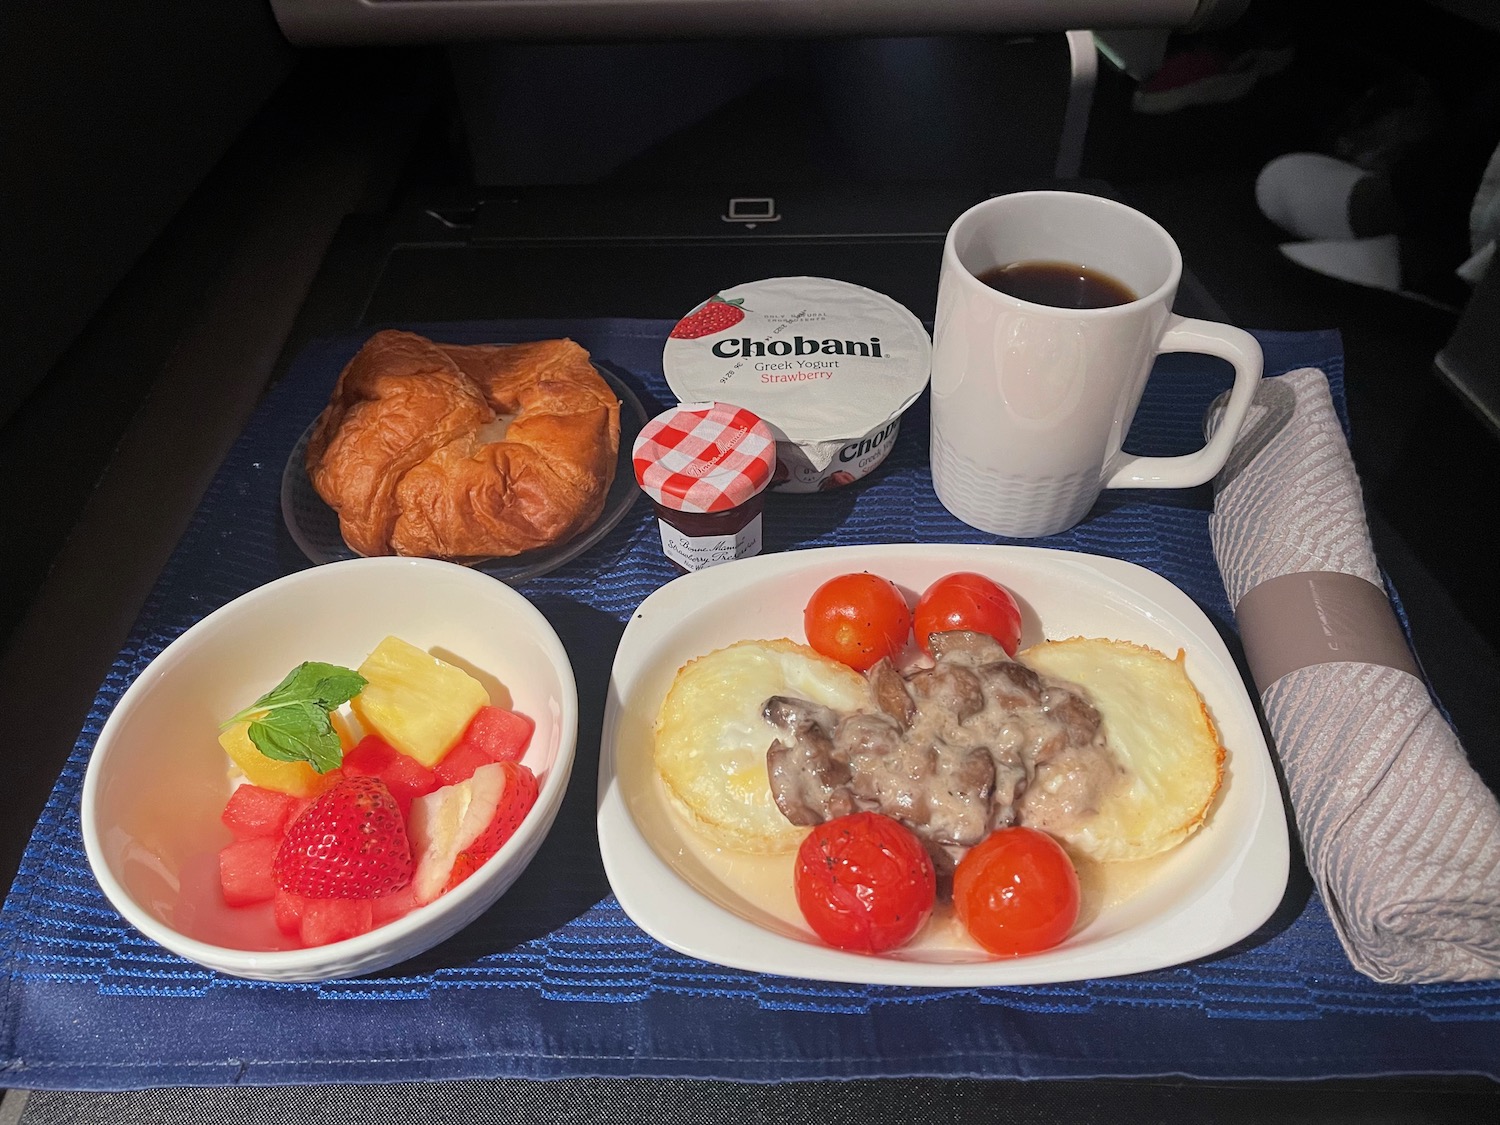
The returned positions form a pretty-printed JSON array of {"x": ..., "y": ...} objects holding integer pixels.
[{"x": 1160, "y": 727}]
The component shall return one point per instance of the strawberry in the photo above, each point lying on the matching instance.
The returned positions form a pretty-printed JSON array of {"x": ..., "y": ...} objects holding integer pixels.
[
  {"x": 714, "y": 315},
  {"x": 349, "y": 843},
  {"x": 515, "y": 802},
  {"x": 456, "y": 828}
]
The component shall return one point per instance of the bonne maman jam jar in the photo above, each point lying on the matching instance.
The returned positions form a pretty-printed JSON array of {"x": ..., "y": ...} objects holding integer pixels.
[{"x": 705, "y": 467}]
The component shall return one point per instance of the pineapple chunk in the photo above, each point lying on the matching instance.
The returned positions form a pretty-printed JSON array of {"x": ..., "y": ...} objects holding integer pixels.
[
  {"x": 297, "y": 778},
  {"x": 348, "y": 736},
  {"x": 416, "y": 702}
]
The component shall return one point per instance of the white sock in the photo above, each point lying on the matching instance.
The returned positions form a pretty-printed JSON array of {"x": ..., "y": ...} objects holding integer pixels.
[{"x": 1307, "y": 194}]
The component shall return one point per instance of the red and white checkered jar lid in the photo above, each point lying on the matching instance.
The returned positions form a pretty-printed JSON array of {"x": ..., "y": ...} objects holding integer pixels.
[{"x": 704, "y": 457}]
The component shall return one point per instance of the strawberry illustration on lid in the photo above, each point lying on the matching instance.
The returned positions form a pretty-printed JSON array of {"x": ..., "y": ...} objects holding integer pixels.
[{"x": 715, "y": 315}]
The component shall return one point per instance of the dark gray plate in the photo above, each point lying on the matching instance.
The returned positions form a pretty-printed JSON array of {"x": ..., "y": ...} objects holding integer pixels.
[{"x": 314, "y": 526}]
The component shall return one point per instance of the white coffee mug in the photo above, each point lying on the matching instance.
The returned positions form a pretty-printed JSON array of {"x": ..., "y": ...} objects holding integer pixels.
[{"x": 1031, "y": 403}]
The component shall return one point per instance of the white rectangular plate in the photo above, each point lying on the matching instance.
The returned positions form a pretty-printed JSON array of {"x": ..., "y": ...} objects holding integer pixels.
[{"x": 1209, "y": 893}]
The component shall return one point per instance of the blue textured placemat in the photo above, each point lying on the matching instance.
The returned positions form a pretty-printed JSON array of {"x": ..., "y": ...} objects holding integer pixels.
[{"x": 555, "y": 981}]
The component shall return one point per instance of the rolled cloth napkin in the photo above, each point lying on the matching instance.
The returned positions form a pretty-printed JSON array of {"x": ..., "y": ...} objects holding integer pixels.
[{"x": 1402, "y": 837}]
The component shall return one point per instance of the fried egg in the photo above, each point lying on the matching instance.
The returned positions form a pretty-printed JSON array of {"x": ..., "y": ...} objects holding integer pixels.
[
  {"x": 711, "y": 738},
  {"x": 1158, "y": 724}
]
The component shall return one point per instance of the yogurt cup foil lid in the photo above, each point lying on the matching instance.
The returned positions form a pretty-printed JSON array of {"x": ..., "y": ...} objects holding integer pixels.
[{"x": 830, "y": 366}]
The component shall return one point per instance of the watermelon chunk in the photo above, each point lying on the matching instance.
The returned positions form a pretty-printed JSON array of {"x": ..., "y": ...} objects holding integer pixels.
[
  {"x": 387, "y": 908},
  {"x": 245, "y": 870},
  {"x": 503, "y": 735},
  {"x": 403, "y": 775},
  {"x": 288, "y": 912},
  {"x": 460, "y": 763},
  {"x": 253, "y": 811},
  {"x": 326, "y": 920}
]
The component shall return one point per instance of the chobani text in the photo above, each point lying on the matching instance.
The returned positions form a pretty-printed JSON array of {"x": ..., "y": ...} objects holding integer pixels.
[
  {"x": 870, "y": 443},
  {"x": 745, "y": 347}
]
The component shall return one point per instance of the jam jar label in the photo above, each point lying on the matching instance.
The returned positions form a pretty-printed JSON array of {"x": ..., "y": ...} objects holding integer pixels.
[{"x": 698, "y": 552}]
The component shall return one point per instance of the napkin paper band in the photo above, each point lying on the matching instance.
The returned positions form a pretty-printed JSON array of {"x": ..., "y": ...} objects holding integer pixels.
[{"x": 1295, "y": 621}]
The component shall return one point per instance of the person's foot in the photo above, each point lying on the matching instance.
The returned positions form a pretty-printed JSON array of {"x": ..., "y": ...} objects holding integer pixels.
[
  {"x": 1314, "y": 196},
  {"x": 1384, "y": 262},
  {"x": 1372, "y": 262}
]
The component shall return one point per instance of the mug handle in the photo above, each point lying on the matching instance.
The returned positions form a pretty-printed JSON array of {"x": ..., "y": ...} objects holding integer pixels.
[{"x": 1184, "y": 334}]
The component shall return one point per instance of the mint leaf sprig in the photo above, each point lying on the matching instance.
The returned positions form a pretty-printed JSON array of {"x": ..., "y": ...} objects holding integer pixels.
[{"x": 291, "y": 722}]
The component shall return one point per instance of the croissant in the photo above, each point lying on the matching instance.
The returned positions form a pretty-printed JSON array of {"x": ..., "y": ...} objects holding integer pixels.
[{"x": 465, "y": 451}]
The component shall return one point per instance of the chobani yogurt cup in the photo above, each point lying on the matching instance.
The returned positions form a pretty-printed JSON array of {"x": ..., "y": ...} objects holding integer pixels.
[{"x": 828, "y": 365}]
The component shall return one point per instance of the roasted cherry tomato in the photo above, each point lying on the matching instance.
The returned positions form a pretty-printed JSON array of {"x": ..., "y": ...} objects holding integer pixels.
[
  {"x": 857, "y": 618},
  {"x": 968, "y": 601},
  {"x": 864, "y": 882},
  {"x": 1016, "y": 892}
]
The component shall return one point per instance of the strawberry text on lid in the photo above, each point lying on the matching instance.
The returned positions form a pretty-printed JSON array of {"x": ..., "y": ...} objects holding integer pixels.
[{"x": 704, "y": 457}]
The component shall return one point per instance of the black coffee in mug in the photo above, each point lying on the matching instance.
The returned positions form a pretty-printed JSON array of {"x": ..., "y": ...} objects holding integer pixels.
[{"x": 1062, "y": 285}]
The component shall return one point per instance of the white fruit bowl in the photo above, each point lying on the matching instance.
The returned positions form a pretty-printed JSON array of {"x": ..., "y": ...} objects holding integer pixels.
[{"x": 158, "y": 780}]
